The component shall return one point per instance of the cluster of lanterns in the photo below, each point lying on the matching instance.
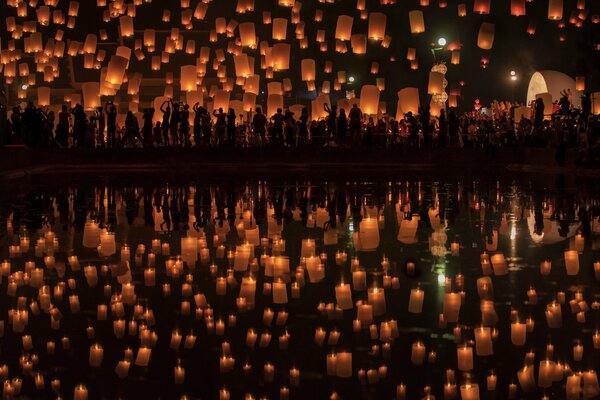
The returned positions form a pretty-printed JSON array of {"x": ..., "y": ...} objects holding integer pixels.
[
  {"x": 199, "y": 272},
  {"x": 240, "y": 62}
]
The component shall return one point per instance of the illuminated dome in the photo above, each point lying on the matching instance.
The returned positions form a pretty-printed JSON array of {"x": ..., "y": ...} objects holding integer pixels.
[{"x": 552, "y": 82}]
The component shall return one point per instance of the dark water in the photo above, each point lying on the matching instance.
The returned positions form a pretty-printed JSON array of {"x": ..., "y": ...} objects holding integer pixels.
[{"x": 525, "y": 222}]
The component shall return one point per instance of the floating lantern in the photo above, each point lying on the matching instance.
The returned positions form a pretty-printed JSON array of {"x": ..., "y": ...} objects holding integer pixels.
[
  {"x": 481, "y": 6},
  {"x": 359, "y": 43},
  {"x": 485, "y": 39},
  {"x": 436, "y": 83},
  {"x": 247, "y": 34},
  {"x": 369, "y": 103},
  {"x": 308, "y": 69},
  {"x": 517, "y": 8},
  {"x": 279, "y": 28},
  {"x": 377, "y": 22},
  {"x": 408, "y": 101},
  {"x": 555, "y": 9},
  {"x": 417, "y": 23},
  {"x": 343, "y": 30}
]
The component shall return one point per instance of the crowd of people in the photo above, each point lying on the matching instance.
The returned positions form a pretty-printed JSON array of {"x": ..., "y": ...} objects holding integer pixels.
[{"x": 37, "y": 127}]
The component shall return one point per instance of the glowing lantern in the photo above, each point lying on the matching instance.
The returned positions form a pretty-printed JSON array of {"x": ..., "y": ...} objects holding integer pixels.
[
  {"x": 252, "y": 84},
  {"x": 267, "y": 17},
  {"x": 481, "y": 7},
  {"x": 73, "y": 8},
  {"x": 221, "y": 99},
  {"x": 517, "y": 7},
  {"x": 43, "y": 93},
  {"x": 281, "y": 56},
  {"x": 274, "y": 88},
  {"x": 126, "y": 24},
  {"x": 436, "y": 83},
  {"x": 359, "y": 43},
  {"x": 274, "y": 101},
  {"x": 417, "y": 23},
  {"x": 242, "y": 66},
  {"x": 374, "y": 68},
  {"x": 580, "y": 83},
  {"x": 91, "y": 95},
  {"x": 279, "y": 28},
  {"x": 343, "y": 29},
  {"x": 188, "y": 78},
  {"x": 149, "y": 37},
  {"x": 247, "y": 34},
  {"x": 328, "y": 67},
  {"x": 462, "y": 10},
  {"x": 341, "y": 76},
  {"x": 377, "y": 22},
  {"x": 411, "y": 54},
  {"x": 200, "y": 10},
  {"x": 361, "y": 5},
  {"x": 308, "y": 68},
  {"x": 531, "y": 28},
  {"x": 380, "y": 82},
  {"x": 369, "y": 99},
  {"x": 249, "y": 101},
  {"x": 116, "y": 70},
  {"x": 485, "y": 39},
  {"x": 455, "y": 58},
  {"x": 220, "y": 25},
  {"x": 43, "y": 15},
  {"x": 555, "y": 9}
]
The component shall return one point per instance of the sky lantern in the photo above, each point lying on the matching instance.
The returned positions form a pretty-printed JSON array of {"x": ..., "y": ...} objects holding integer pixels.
[
  {"x": 275, "y": 88},
  {"x": 481, "y": 7},
  {"x": 221, "y": 99},
  {"x": 43, "y": 93},
  {"x": 408, "y": 101},
  {"x": 361, "y": 5},
  {"x": 267, "y": 20},
  {"x": 274, "y": 101},
  {"x": 555, "y": 9},
  {"x": 43, "y": 15},
  {"x": 308, "y": 68},
  {"x": 369, "y": 99},
  {"x": 188, "y": 78},
  {"x": 343, "y": 29},
  {"x": 116, "y": 70},
  {"x": 580, "y": 83},
  {"x": 126, "y": 24},
  {"x": 279, "y": 28},
  {"x": 436, "y": 83},
  {"x": 91, "y": 95},
  {"x": 200, "y": 10},
  {"x": 242, "y": 67},
  {"x": 377, "y": 22},
  {"x": 485, "y": 39},
  {"x": 252, "y": 84},
  {"x": 374, "y": 68},
  {"x": 73, "y": 8},
  {"x": 455, "y": 58},
  {"x": 358, "y": 42},
  {"x": 517, "y": 8},
  {"x": 249, "y": 101},
  {"x": 531, "y": 27},
  {"x": 411, "y": 54},
  {"x": 281, "y": 56},
  {"x": 220, "y": 25},
  {"x": 247, "y": 34},
  {"x": 417, "y": 23}
]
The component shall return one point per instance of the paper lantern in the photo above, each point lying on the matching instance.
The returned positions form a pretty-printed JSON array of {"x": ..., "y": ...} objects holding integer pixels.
[
  {"x": 411, "y": 54},
  {"x": 247, "y": 34},
  {"x": 275, "y": 88},
  {"x": 380, "y": 82},
  {"x": 531, "y": 28},
  {"x": 308, "y": 69},
  {"x": 274, "y": 101},
  {"x": 341, "y": 76},
  {"x": 200, "y": 10},
  {"x": 242, "y": 67},
  {"x": 279, "y": 28},
  {"x": 43, "y": 15},
  {"x": 188, "y": 78},
  {"x": 369, "y": 99},
  {"x": 116, "y": 70},
  {"x": 343, "y": 29},
  {"x": 374, "y": 68},
  {"x": 436, "y": 83},
  {"x": 43, "y": 93},
  {"x": 267, "y": 18},
  {"x": 126, "y": 24},
  {"x": 485, "y": 39},
  {"x": 580, "y": 83},
  {"x": 221, "y": 100},
  {"x": 517, "y": 8},
  {"x": 359, "y": 43},
  {"x": 462, "y": 10},
  {"x": 377, "y": 22},
  {"x": 249, "y": 101},
  {"x": 91, "y": 95},
  {"x": 555, "y": 9},
  {"x": 328, "y": 67},
  {"x": 361, "y": 5},
  {"x": 417, "y": 23},
  {"x": 455, "y": 58},
  {"x": 252, "y": 84},
  {"x": 281, "y": 56},
  {"x": 220, "y": 25},
  {"x": 73, "y": 8},
  {"x": 481, "y": 7}
]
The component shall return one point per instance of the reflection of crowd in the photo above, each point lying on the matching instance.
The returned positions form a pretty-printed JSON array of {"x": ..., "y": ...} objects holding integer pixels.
[{"x": 177, "y": 127}]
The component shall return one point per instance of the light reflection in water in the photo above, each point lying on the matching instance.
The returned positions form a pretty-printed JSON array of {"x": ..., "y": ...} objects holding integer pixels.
[{"x": 219, "y": 285}]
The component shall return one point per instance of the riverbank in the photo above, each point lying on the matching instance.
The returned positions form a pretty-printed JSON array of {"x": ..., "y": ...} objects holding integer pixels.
[{"x": 381, "y": 163}]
